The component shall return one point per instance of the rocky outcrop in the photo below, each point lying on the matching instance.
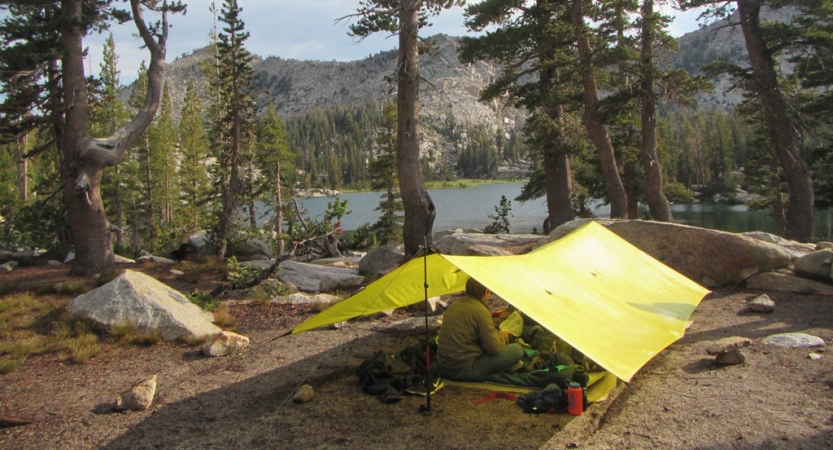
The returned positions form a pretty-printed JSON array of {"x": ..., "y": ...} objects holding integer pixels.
[
  {"x": 815, "y": 265},
  {"x": 709, "y": 257},
  {"x": 479, "y": 244},
  {"x": 786, "y": 280},
  {"x": 300, "y": 298},
  {"x": 147, "y": 305},
  {"x": 379, "y": 261},
  {"x": 315, "y": 278},
  {"x": 795, "y": 249}
]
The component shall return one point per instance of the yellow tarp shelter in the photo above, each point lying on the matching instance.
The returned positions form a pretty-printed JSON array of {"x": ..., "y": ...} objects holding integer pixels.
[{"x": 591, "y": 288}]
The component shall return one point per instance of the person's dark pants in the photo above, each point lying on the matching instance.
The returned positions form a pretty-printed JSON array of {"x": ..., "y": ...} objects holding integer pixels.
[{"x": 486, "y": 365}]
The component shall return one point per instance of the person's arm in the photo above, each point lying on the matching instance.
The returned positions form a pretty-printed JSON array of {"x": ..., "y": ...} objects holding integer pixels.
[{"x": 489, "y": 336}]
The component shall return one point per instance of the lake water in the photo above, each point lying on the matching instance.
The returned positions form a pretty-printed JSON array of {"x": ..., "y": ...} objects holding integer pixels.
[{"x": 470, "y": 207}]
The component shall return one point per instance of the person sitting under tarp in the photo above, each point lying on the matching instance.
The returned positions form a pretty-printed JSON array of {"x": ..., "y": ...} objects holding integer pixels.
[{"x": 471, "y": 348}]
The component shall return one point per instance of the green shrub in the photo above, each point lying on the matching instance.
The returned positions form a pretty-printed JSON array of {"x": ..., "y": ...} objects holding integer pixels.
[
  {"x": 223, "y": 318},
  {"x": 81, "y": 349},
  {"x": 204, "y": 300},
  {"x": 7, "y": 365}
]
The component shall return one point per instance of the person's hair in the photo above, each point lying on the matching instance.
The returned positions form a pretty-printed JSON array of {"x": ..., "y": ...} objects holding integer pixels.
[{"x": 474, "y": 289}]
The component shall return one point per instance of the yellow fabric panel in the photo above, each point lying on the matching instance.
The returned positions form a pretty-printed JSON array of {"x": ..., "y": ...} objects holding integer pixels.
[
  {"x": 605, "y": 297},
  {"x": 401, "y": 287},
  {"x": 598, "y": 387}
]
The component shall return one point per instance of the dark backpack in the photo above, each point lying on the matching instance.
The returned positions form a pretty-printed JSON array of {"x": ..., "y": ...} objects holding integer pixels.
[
  {"x": 384, "y": 376},
  {"x": 544, "y": 400}
]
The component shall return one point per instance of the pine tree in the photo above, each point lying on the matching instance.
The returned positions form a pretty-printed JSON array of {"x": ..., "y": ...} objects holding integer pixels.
[
  {"x": 138, "y": 165},
  {"x": 84, "y": 157},
  {"x": 651, "y": 35},
  {"x": 405, "y": 18},
  {"x": 383, "y": 177},
  {"x": 109, "y": 114},
  {"x": 162, "y": 158},
  {"x": 31, "y": 118},
  {"x": 233, "y": 113},
  {"x": 764, "y": 43},
  {"x": 274, "y": 160},
  {"x": 533, "y": 39},
  {"x": 192, "y": 175},
  {"x": 592, "y": 118}
]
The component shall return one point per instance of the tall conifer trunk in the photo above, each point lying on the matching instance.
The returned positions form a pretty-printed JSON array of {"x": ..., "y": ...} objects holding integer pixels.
[
  {"x": 657, "y": 203},
  {"x": 419, "y": 208},
  {"x": 779, "y": 125}
]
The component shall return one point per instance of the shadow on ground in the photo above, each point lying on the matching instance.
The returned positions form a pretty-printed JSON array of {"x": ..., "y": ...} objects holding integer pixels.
[
  {"x": 794, "y": 313},
  {"x": 258, "y": 413}
]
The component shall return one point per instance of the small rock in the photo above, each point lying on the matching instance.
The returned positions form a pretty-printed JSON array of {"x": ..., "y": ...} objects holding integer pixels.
[
  {"x": 176, "y": 272},
  {"x": 122, "y": 259},
  {"x": 762, "y": 303},
  {"x": 6, "y": 267},
  {"x": 727, "y": 345},
  {"x": 139, "y": 397},
  {"x": 225, "y": 343},
  {"x": 325, "y": 299},
  {"x": 160, "y": 259},
  {"x": 54, "y": 263},
  {"x": 794, "y": 340},
  {"x": 731, "y": 358},
  {"x": 304, "y": 394},
  {"x": 829, "y": 382},
  {"x": 815, "y": 356},
  {"x": 824, "y": 245}
]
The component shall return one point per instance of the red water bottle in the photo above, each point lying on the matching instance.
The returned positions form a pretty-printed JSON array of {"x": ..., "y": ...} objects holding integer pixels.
[{"x": 575, "y": 400}]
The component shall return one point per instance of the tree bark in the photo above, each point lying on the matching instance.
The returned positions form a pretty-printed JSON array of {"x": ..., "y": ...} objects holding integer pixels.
[
  {"x": 22, "y": 168},
  {"x": 84, "y": 158},
  {"x": 419, "y": 208},
  {"x": 279, "y": 210},
  {"x": 597, "y": 132},
  {"x": 556, "y": 161},
  {"x": 779, "y": 125},
  {"x": 631, "y": 191},
  {"x": 657, "y": 203}
]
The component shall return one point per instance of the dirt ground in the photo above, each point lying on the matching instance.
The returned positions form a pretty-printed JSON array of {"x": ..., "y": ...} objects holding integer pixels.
[{"x": 779, "y": 398}]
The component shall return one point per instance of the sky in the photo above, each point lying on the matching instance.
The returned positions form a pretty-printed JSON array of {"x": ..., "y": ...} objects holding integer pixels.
[{"x": 290, "y": 29}]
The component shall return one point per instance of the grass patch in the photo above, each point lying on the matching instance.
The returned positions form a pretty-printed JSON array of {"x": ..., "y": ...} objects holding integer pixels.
[
  {"x": 107, "y": 275},
  {"x": 127, "y": 335},
  {"x": 190, "y": 277},
  {"x": 14, "y": 306},
  {"x": 317, "y": 307},
  {"x": 194, "y": 270},
  {"x": 71, "y": 288},
  {"x": 223, "y": 317},
  {"x": 80, "y": 349},
  {"x": 8, "y": 365}
]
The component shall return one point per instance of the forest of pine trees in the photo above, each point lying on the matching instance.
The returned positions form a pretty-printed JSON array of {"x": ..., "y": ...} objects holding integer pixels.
[{"x": 208, "y": 167}]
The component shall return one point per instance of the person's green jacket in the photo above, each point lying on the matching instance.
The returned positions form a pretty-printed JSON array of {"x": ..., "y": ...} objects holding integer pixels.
[{"x": 466, "y": 333}]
